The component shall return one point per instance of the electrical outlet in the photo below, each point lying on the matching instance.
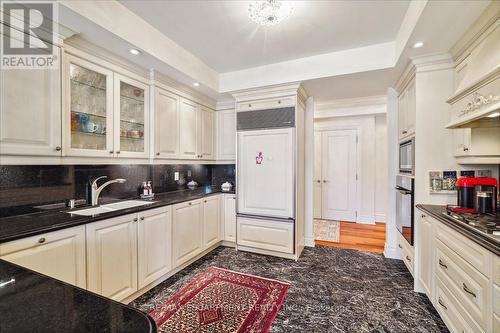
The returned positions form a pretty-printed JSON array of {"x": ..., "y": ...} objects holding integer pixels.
[{"x": 176, "y": 175}]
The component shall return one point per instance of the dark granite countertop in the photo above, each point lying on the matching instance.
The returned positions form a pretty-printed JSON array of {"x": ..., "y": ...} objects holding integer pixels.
[
  {"x": 20, "y": 226},
  {"x": 487, "y": 241},
  {"x": 33, "y": 302}
]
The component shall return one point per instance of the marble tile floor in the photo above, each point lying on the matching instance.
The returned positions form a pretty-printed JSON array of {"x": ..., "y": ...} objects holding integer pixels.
[{"x": 333, "y": 290}]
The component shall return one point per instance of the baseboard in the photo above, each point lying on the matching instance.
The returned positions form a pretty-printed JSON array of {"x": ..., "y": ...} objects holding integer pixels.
[
  {"x": 380, "y": 218},
  {"x": 392, "y": 252},
  {"x": 365, "y": 219},
  {"x": 267, "y": 252},
  {"x": 309, "y": 242}
]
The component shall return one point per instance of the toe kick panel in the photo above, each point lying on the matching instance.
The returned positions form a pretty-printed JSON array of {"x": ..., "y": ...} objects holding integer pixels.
[{"x": 265, "y": 234}]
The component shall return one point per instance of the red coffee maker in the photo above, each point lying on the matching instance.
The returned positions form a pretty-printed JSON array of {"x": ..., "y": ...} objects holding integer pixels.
[{"x": 477, "y": 195}]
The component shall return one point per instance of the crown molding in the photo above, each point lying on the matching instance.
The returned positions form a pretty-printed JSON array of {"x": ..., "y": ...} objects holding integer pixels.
[
  {"x": 268, "y": 92},
  {"x": 225, "y": 105},
  {"x": 485, "y": 24},
  {"x": 352, "y": 107},
  {"x": 433, "y": 62},
  {"x": 405, "y": 78},
  {"x": 352, "y": 102}
]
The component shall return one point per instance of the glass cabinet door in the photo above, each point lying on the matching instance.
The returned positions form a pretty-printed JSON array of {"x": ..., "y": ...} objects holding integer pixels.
[
  {"x": 131, "y": 117},
  {"x": 90, "y": 106}
]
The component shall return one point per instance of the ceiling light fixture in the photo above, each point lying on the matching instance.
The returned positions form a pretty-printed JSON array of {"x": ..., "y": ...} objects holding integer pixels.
[
  {"x": 196, "y": 84},
  {"x": 417, "y": 45},
  {"x": 269, "y": 12},
  {"x": 494, "y": 115},
  {"x": 134, "y": 51}
]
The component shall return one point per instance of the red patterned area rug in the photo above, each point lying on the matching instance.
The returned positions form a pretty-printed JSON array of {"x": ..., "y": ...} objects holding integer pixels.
[{"x": 220, "y": 300}]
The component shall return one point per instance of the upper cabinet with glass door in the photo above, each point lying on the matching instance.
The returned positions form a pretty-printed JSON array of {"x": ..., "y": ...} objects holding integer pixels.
[
  {"x": 88, "y": 120},
  {"x": 131, "y": 117}
]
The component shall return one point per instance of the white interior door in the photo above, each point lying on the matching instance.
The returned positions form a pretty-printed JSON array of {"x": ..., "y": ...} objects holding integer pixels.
[
  {"x": 317, "y": 176},
  {"x": 339, "y": 169},
  {"x": 266, "y": 173}
]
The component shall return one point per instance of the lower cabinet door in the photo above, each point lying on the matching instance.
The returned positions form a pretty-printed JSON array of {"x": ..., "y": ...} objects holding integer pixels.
[
  {"x": 230, "y": 217},
  {"x": 211, "y": 221},
  {"x": 112, "y": 257},
  {"x": 154, "y": 244},
  {"x": 187, "y": 226},
  {"x": 58, "y": 254}
]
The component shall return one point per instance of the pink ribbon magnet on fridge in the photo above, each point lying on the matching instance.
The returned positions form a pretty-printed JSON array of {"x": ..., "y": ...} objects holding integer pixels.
[{"x": 259, "y": 158}]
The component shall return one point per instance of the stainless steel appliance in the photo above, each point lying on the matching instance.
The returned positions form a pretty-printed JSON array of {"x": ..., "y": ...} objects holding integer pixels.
[
  {"x": 405, "y": 187},
  {"x": 407, "y": 157},
  {"x": 488, "y": 224}
]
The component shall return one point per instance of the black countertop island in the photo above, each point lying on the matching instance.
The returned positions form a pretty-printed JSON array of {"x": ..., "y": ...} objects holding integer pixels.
[
  {"x": 486, "y": 240},
  {"x": 32, "y": 302},
  {"x": 20, "y": 226}
]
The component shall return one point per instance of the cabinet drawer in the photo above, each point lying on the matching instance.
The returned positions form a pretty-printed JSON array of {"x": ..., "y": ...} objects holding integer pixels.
[
  {"x": 407, "y": 253},
  {"x": 467, "y": 285},
  {"x": 471, "y": 252},
  {"x": 450, "y": 311},
  {"x": 270, "y": 103},
  {"x": 265, "y": 234}
]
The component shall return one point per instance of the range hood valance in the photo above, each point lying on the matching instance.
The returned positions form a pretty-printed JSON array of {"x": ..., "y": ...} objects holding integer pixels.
[{"x": 477, "y": 100}]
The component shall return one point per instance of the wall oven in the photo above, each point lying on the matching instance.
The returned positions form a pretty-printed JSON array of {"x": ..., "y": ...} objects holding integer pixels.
[
  {"x": 405, "y": 187},
  {"x": 407, "y": 157}
]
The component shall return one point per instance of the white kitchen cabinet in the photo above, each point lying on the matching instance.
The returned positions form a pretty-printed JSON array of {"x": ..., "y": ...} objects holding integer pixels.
[
  {"x": 30, "y": 114},
  {"x": 189, "y": 129},
  {"x": 58, "y": 254},
  {"x": 167, "y": 126},
  {"x": 226, "y": 135},
  {"x": 131, "y": 118},
  {"x": 187, "y": 231},
  {"x": 267, "y": 235},
  {"x": 230, "y": 217},
  {"x": 407, "y": 253},
  {"x": 407, "y": 110},
  {"x": 206, "y": 144},
  {"x": 154, "y": 242},
  {"x": 88, "y": 108},
  {"x": 112, "y": 257},
  {"x": 426, "y": 251},
  {"x": 211, "y": 220}
]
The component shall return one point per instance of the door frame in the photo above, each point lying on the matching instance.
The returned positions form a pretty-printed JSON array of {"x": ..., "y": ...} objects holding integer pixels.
[{"x": 359, "y": 181}]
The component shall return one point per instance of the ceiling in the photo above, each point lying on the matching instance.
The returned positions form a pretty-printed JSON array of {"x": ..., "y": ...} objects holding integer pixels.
[{"x": 221, "y": 34}]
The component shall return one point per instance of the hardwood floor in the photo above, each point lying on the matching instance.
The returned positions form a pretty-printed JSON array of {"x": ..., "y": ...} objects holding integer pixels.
[{"x": 364, "y": 237}]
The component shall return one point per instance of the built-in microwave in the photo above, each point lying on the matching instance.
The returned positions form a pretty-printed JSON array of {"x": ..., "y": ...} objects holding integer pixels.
[{"x": 407, "y": 157}]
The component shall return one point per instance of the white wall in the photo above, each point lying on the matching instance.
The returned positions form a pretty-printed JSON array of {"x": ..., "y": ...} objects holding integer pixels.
[
  {"x": 372, "y": 132},
  {"x": 381, "y": 171}
]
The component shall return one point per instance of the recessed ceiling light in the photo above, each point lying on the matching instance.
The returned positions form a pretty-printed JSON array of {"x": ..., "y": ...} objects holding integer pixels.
[
  {"x": 269, "y": 12},
  {"x": 494, "y": 115},
  {"x": 196, "y": 84},
  {"x": 417, "y": 45},
  {"x": 134, "y": 51}
]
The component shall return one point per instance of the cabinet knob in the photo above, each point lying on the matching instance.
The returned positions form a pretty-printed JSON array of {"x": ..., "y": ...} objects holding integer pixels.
[
  {"x": 404, "y": 132},
  {"x": 142, "y": 218},
  {"x": 135, "y": 219},
  {"x": 190, "y": 203},
  {"x": 422, "y": 216},
  {"x": 466, "y": 149},
  {"x": 41, "y": 240},
  {"x": 58, "y": 148},
  {"x": 408, "y": 258},
  {"x": 249, "y": 105},
  {"x": 157, "y": 154},
  {"x": 205, "y": 201},
  {"x": 324, "y": 181},
  {"x": 117, "y": 151},
  {"x": 318, "y": 181},
  {"x": 279, "y": 101},
  {"x": 111, "y": 151}
]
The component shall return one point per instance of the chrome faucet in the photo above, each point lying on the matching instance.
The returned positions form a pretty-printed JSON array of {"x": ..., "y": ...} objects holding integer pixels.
[{"x": 96, "y": 191}]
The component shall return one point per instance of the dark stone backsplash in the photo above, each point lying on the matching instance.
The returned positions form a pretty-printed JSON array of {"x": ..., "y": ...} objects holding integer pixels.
[{"x": 32, "y": 185}]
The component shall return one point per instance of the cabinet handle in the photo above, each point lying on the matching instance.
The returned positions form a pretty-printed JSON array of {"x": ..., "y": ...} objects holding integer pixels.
[
  {"x": 249, "y": 105},
  {"x": 399, "y": 245},
  {"x": 190, "y": 203},
  {"x": 422, "y": 216},
  {"x": 467, "y": 290},
  {"x": 404, "y": 132},
  {"x": 408, "y": 258},
  {"x": 111, "y": 151},
  {"x": 324, "y": 181},
  {"x": 157, "y": 154},
  {"x": 135, "y": 219},
  {"x": 442, "y": 304},
  {"x": 279, "y": 101},
  {"x": 142, "y": 218},
  {"x": 205, "y": 201},
  {"x": 41, "y": 240},
  {"x": 58, "y": 148},
  {"x": 318, "y": 181},
  {"x": 117, "y": 151},
  {"x": 466, "y": 149},
  {"x": 442, "y": 264}
]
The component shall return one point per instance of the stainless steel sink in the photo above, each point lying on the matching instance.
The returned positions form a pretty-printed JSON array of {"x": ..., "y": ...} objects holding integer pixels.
[{"x": 110, "y": 207}]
